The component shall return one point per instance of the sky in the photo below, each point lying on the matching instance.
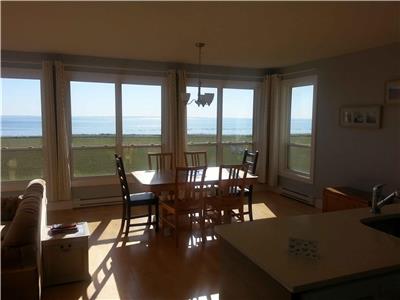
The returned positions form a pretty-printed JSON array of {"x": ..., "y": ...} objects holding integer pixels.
[
  {"x": 302, "y": 102},
  {"x": 22, "y": 97}
]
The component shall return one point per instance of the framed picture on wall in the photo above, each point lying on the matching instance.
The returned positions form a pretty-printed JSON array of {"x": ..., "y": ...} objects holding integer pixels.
[
  {"x": 365, "y": 116},
  {"x": 392, "y": 92}
]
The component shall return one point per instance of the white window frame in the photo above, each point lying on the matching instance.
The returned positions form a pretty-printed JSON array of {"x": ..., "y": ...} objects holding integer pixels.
[
  {"x": 25, "y": 73},
  {"x": 220, "y": 85},
  {"x": 117, "y": 80},
  {"x": 286, "y": 86}
]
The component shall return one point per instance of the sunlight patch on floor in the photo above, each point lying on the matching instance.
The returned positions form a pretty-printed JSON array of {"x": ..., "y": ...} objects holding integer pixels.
[
  {"x": 127, "y": 243},
  {"x": 206, "y": 297},
  {"x": 261, "y": 211},
  {"x": 93, "y": 225},
  {"x": 104, "y": 289}
]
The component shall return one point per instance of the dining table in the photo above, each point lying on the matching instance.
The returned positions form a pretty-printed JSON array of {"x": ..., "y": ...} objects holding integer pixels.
[{"x": 157, "y": 181}]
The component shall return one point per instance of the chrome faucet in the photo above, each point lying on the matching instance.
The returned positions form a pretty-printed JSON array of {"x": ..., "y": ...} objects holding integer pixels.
[{"x": 377, "y": 199}]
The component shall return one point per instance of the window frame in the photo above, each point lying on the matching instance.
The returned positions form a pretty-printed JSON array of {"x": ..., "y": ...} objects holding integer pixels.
[
  {"x": 220, "y": 85},
  {"x": 286, "y": 102},
  {"x": 118, "y": 80},
  {"x": 34, "y": 74}
]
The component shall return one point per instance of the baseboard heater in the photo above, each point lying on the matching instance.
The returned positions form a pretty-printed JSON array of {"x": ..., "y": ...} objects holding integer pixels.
[
  {"x": 297, "y": 196},
  {"x": 85, "y": 202}
]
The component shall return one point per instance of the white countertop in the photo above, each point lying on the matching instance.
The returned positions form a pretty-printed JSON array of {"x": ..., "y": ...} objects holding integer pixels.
[{"x": 347, "y": 248}]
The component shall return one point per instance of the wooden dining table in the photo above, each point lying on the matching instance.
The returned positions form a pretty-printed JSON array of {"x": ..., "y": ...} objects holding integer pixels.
[{"x": 160, "y": 181}]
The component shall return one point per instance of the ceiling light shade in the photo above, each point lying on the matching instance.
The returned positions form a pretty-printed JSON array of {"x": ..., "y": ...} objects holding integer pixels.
[
  {"x": 185, "y": 97},
  {"x": 205, "y": 99},
  {"x": 202, "y": 99}
]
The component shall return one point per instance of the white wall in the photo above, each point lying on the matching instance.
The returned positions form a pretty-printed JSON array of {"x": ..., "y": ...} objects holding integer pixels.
[{"x": 348, "y": 156}]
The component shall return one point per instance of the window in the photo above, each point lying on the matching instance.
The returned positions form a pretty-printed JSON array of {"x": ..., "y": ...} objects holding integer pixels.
[
  {"x": 141, "y": 123},
  {"x": 113, "y": 114},
  {"x": 202, "y": 125},
  {"x": 21, "y": 129},
  {"x": 298, "y": 134},
  {"x": 237, "y": 123},
  {"x": 93, "y": 128},
  {"x": 223, "y": 129}
]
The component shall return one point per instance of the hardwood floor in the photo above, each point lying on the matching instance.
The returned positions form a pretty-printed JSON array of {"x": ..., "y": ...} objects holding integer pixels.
[{"x": 146, "y": 265}]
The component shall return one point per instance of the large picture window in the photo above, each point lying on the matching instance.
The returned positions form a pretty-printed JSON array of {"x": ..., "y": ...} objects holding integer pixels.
[
  {"x": 299, "y": 101},
  {"x": 113, "y": 114},
  {"x": 21, "y": 129},
  {"x": 202, "y": 125},
  {"x": 141, "y": 123},
  {"x": 225, "y": 128},
  {"x": 237, "y": 123},
  {"x": 93, "y": 128}
]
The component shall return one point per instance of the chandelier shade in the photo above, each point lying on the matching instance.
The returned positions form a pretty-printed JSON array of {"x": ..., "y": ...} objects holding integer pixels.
[{"x": 202, "y": 99}]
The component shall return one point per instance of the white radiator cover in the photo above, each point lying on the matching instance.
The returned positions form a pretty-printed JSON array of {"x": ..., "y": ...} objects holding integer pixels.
[
  {"x": 298, "y": 196},
  {"x": 85, "y": 202}
]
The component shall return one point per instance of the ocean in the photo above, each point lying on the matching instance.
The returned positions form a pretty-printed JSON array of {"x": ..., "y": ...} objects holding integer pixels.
[{"x": 14, "y": 126}]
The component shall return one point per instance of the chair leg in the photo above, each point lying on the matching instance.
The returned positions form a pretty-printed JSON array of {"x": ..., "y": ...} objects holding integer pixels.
[
  {"x": 219, "y": 217},
  {"x": 157, "y": 217},
  {"x": 163, "y": 213},
  {"x": 176, "y": 230},
  {"x": 123, "y": 215},
  {"x": 203, "y": 228},
  {"x": 250, "y": 203},
  {"x": 150, "y": 211},
  {"x": 128, "y": 219},
  {"x": 241, "y": 214},
  {"x": 191, "y": 222}
]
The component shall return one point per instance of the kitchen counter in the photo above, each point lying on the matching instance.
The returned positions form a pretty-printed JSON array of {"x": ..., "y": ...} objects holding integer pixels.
[{"x": 347, "y": 249}]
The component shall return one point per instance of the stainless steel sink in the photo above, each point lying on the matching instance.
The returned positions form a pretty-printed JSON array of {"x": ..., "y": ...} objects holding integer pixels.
[{"x": 387, "y": 223}]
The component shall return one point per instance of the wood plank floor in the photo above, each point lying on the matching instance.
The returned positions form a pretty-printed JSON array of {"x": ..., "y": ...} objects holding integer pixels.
[{"x": 146, "y": 265}]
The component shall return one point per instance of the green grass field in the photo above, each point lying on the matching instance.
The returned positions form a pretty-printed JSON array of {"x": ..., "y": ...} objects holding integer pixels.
[{"x": 27, "y": 163}]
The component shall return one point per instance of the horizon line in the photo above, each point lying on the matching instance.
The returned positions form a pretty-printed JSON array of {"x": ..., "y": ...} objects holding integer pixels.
[{"x": 138, "y": 116}]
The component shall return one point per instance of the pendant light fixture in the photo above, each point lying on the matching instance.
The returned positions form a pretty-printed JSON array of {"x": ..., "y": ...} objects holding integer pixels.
[{"x": 202, "y": 99}]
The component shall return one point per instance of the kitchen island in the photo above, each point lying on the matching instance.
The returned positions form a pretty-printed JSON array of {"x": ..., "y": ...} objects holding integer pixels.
[{"x": 352, "y": 260}]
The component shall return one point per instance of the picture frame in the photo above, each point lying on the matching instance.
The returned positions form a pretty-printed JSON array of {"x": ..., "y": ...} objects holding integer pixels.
[
  {"x": 363, "y": 116},
  {"x": 392, "y": 92}
]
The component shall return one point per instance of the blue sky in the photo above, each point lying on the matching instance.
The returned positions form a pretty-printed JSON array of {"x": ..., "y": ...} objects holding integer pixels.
[
  {"x": 302, "y": 101},
  {"x": 22, "y": 97}
]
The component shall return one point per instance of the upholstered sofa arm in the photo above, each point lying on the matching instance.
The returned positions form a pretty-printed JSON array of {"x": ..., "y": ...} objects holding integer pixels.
[
  {"x": 9, "y": 207},
  {"x": 18, "y": 258}
]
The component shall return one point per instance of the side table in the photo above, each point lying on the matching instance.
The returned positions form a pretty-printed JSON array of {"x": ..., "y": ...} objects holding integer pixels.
[{"x": 65, "y": 256}]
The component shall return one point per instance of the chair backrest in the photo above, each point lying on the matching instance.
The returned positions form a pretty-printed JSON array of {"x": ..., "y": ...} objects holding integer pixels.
[
  {"x": 250, "y": 159},
  {"x": 195, "y": 158},
  {"x": 122, "y": 177},
  {"x": 233, "y": 185},
  {"x": 160, "y": 161},
  {"x": 189, "y": 185}
]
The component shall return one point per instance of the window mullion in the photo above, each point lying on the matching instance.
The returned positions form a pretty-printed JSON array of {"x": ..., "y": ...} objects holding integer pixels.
[
  {"x": 118, "y": 117},
  {"x": 219, "y": 155}
]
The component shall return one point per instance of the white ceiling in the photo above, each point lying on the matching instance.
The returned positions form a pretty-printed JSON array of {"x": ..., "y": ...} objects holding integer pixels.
[{"x": 256, "y": 34}]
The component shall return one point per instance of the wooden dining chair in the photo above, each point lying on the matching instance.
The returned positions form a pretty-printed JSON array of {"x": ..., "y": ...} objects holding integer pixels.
[
  {"x": 137, "y": 199},
  {"x": 229, "y": 194},
  {"x": 250, "y": 160},
  {"x": 160, "y": 161},
  {"x": 195, "y": 158},
  {"x": 187, "y": 200}
]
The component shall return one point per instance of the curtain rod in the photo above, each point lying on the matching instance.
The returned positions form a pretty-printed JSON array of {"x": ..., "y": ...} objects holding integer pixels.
[
  {"x": 21, "y": 62},
  {"x": 132, "y": 69},
  {"x": 226, "y": 75},
  {"x": 116, "y": 68},
  {"x": 297, "y": 72}
]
